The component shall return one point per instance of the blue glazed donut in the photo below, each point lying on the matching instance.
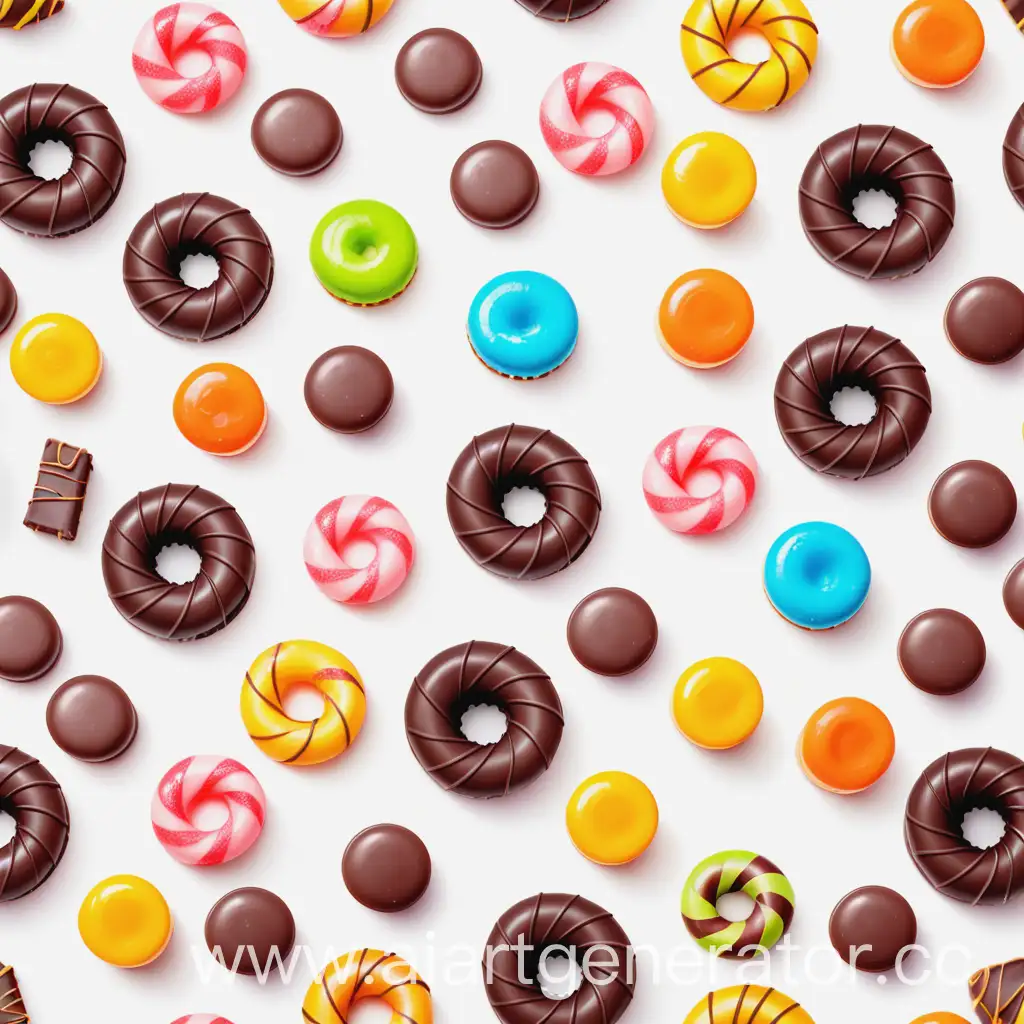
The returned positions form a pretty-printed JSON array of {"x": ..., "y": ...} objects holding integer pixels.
[
  {"x": 523, "y": 324},
  {"x": 817, "y": 575}
]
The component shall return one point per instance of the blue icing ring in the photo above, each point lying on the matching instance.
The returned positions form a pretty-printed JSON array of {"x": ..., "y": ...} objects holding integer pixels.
[
  {"x": 817, "y": 575},
  {"x": 523, "y": 324}
]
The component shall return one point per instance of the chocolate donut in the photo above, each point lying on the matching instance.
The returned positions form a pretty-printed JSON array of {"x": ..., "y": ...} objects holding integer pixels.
[
  {"x": 858, "y": 357},
  {"x": 549, "y": 921},
  {"x": 17, "y": 14},
  {"x": 61, "y": 206},
  {"x": 192, "y": 223},
  {"x": 949, "y": 787},
  {"x": 178, "y": 514},
  {"x": 1013, "y": 156},
  {"x": 33, "y": 798},
  {"x": 874, "y": 156},
  {"x": 478, "y": 673},
  {"x": 561, "y": 10},
  {"x": 494, "y": 463},
  {"x": 997, "y": 992}
]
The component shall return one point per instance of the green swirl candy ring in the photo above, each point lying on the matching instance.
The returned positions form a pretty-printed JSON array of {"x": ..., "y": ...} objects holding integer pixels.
[
  {"x": 364, "y": 252},
  {"x": 737, "y": 871}
]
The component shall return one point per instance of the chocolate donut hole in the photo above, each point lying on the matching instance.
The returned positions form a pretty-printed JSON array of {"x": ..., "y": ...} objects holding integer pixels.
[
  {"x": 523, "y": 505},
  {"x": 483, "y": 723},
  {"x": 558, "y": 975},
  {"x": 178, "y": 563},
  {"x": 199, "y": 269},
  {"x": 983, "y": 827},
  {"x": 853, "y": 406},
  {"x": 875, "y": 207},
  {"x": 50, "y": 158}
]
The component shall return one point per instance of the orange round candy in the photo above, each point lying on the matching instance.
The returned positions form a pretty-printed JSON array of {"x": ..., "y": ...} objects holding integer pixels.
[
  {"x": 220, "y": 409},
  {"x": 705, "y": 318},
  {"x": 938, "y": 43},
  {"x": 847, "y": 745},
  {"x": 940, "y": 1017}
]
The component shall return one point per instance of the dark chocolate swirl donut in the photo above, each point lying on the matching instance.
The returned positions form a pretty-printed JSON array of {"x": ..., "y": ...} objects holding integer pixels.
[
  {"x": 547, "y": 921},
  {"x": 997, "y": 992},
  {"x": 874, "y": 156},
  {"x": 483, "y": 673},
  {"x": 33, "y": 798},
  {"x": 858, "y": 357},
  {"x": 561, "y": 10},
  {"x": 178, "y": 514},
  {"x": 61, "y": 206},
  {"x": 949, "y": 787},
  {"x": 1013, "y": 156},
  {"x": 17, "y": 14},
  {"x": 494, "y": 463},
  {"x": 198, "y": 222}
]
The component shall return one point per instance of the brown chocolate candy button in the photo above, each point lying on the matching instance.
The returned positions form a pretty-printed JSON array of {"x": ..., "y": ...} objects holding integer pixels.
[
  {"x": 612, "y": 631},
  {"x": 349, "y": 389},
  {"x": 386, "y": 868},
  {"x": 91, "y": 718},
  {"x": 253, "y": 929},
  {"x": 985, "y": 320},
  {"x": 972, "y": 504},
  {"x": 941, "y": 651},
  {"x": 30, "y": 639},
  {"x": 494, "y": 184},
  {"x": 297, "y": 132},
  {"x": 561, "y": 10},
  {"x": 8, "y": 301},
  {"x": 438, "y": 71},
  {"x": 1013, "y": 593},
  {"x": 871, "y": 927}
]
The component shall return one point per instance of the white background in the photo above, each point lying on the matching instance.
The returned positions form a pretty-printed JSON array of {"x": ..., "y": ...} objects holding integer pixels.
[{"x": 616, "y": 247}]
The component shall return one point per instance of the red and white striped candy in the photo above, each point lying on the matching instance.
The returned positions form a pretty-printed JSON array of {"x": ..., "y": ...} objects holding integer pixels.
[
  {"x": 201, "y": 1018},
  {"x": 334, "y": 539},
  {"x": 581, "y": 95},
  {"x": 692, "y": 460},
  {"x": 177, "y": 31},
  {"x": 200, "y": 780}
]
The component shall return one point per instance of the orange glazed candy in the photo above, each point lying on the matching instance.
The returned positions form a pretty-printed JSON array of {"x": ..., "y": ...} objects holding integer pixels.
[
  {"x": 705, "y": 318},
  {"x": 938, "y": 43},
  {"x": 220, "y": 409},
  {"x": 940, "y": 1017},
  {"x": 846, "y": 745}
]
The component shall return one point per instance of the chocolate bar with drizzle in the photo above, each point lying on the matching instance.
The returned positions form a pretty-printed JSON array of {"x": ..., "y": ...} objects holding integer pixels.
[
  {"x": 56, "y": 503},
  {"x": 12, "y": 1006}
]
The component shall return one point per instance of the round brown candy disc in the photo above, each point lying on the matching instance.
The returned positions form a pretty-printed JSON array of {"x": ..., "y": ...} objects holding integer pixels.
[
  {"x": 941, "y": 651},
  {"x": 438, "y": 71},
  {"x": 30, "y": 639},
  {"x": 349, "y": 389},
  {"x": 8, "y": 301},
  {"x": 91, "y": 718},
  {"x": 253, "y": 929},
  {"x": 1013, "y": 593},
  {"x": 1013, "y": 155},
  {"x": 494, "y": 184},
  {"x": 297, "y": 132},
  {"x": 386, "y": 868},
  {"x": 877, "y": 918},
  {"x": 972, "y": 504},
  {"x": 612, "y": 631},
  {"x": 561, "y": 10},
  {"x": 985, "y": 320}
]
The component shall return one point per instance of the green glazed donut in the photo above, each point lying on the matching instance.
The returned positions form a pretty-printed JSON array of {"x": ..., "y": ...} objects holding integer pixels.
[
  {"x": 737, "y": 871},
  {"x": 364, "y": 252}
]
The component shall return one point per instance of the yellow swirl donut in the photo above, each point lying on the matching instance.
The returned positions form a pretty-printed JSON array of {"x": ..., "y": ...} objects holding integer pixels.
[
  {"x": 336, "y": 18},
  {"x": 303, "y": 663},
  {"x": 750, "y": 1004},
  {"x": 789, "y": 31}
]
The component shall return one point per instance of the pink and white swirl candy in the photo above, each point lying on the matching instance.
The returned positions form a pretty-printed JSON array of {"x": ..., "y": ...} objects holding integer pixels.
[
  {"x": 358, "y": 549},
  {"x": 700, "y": 479},
  {"x": 182, "y": 31},
  {"x": 596, "y": 119},
  {"x": 198, "y": 781},
  {"x": 201, "y": 1018}
]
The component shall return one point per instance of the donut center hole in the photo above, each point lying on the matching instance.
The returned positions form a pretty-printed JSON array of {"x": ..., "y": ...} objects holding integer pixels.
[
  {"x": 874, "y": 208},
  {"x": 734, "y": 906},
  {"x": 178, "y": 563},
  {"x": 50, "y": 159},
  {"x": 8, "y": 826},
  {"x": 749, "y": 46},
  {"x": 701, "y": 483},
  {"x": 983, "y": 827},
  {"x": 199, "y": 270},
  {"x": 524, "y": 506},
  {"x": 210, "y": 815},
  {"x": 483, "y": 724},
  {"x": 597, "y": 120},
  {"x": 358, "y": 554},
  {"x": 558, "y": 974},
  {"x": 303, "y": 702},
  {"x": 193, "y": 63},
  {"x": 853, "y": 406}
]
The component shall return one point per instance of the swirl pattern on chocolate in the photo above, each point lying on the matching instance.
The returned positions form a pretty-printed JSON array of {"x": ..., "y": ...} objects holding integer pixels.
[
  {"x": 53, "y": 208},
  {"x": 857, "y": 357},
  {"x": 1013, "y": 153},
  {"x": 178, "y": 514},
  {"x": 33, "y": 798},
  {"x": 494, "y": 463},
  {"x": 1015, "y": 9},
  {"x": 17, "y": 14},
  {"x": 186, "y": 225},
  {"x": 547, "y": 921},
  {"x": 469, "y": 675},
  {"x": 997, "y": 993},
  {"x": 561, "y": 10},
  {"x": 874, "y": 156},
  {"x": 949, "y": 787}
]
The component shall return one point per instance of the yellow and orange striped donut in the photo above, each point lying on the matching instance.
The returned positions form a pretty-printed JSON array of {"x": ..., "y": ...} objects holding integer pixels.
[
  {"x": 752, "y": 1004},
  {"x": 303, "y": 663},
  {"x": 336, "y": 18},
  {"x": 368, "y": 974},
  {"x": 17, "y": 14},
  {"x": 789, "y": 31}
]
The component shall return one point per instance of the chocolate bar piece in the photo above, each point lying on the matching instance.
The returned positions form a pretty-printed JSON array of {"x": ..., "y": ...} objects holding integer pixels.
[
  {"x": 1016, "y": 11},
  {"x": 56, "y": 503},
  {"x": 12, "y": 1006}
]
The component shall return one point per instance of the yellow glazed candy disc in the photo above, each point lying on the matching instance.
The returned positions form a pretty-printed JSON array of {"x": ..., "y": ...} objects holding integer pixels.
[
  {"x": 612, "y": 818},
  {"x": 125, "y": 921},
  {"x": 55, "y": 359},
  {"x": 708, "y": 180},
  {"x": 717, "y": 703}
]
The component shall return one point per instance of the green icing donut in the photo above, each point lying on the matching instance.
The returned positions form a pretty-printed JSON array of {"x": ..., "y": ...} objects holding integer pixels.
[
  {"x": 364, "y": 252},
  {"x": 737, "y": 871}
]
